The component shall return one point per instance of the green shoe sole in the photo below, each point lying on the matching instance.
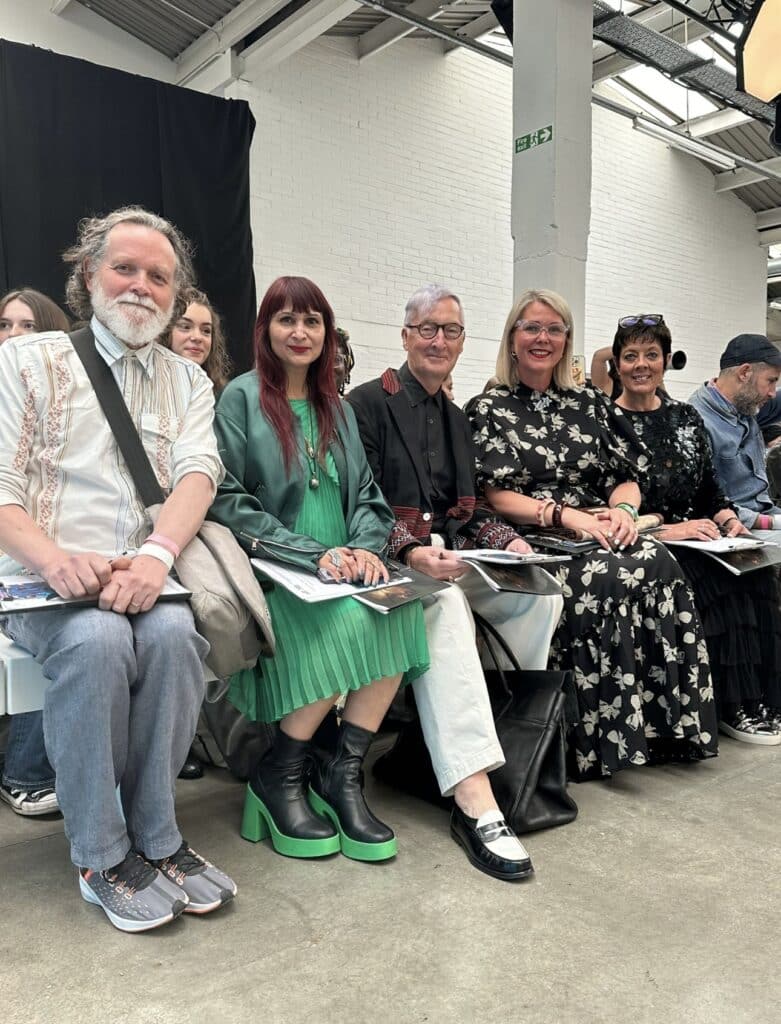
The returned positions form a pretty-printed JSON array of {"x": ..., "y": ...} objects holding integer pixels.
[
  {"x": 351, "y": 847},
  {"x": 257, "y": 824}
]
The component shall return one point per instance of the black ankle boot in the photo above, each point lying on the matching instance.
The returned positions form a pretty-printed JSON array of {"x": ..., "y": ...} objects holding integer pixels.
[
  {"x": 337, "y": 791},
  {"x": 276, "y": 803}
]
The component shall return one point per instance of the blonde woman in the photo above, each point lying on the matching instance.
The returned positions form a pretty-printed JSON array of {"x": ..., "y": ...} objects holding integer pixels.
[{"x": 629, "y": 631}]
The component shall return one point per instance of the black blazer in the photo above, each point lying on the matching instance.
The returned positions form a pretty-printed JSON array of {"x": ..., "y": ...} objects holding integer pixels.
[{"x": 393, "y": 448}]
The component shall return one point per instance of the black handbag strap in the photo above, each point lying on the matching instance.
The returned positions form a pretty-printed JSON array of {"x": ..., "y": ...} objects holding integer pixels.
[
  {"x": 490, "y": 635},
  {"x": 118, "y": 415}
]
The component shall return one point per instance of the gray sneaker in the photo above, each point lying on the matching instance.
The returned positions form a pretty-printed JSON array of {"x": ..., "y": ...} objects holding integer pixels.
[
  {"x": 30, "y": 802},
  {"x": 206, "y": 887},
  {"x": 133, "y": 895}
]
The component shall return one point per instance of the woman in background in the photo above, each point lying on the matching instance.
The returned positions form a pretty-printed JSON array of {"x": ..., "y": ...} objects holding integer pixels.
[{"x": 27, "y": 783}]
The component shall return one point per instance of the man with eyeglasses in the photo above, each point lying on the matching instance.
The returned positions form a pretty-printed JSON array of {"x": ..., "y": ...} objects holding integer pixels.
[{"x": 419, "y": 446}]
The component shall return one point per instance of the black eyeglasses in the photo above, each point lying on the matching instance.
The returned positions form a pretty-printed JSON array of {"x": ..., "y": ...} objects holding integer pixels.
[
  {"x": 429, "y": 330},
  {"x": 642, "y": 319}
]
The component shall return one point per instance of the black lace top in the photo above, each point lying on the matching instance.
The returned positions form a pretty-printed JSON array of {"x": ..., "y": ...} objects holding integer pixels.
[{"x": 681, "y": 483}]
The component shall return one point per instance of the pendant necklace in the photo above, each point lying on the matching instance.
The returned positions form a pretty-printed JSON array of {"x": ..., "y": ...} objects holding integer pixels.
[{"x": 311, "y": 454}]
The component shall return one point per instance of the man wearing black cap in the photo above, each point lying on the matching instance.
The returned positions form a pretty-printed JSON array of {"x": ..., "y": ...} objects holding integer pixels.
[{"x": 750, "y": 367}]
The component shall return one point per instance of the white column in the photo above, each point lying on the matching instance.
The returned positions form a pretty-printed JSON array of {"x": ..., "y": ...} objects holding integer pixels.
[{"x": 551, "y": 190}]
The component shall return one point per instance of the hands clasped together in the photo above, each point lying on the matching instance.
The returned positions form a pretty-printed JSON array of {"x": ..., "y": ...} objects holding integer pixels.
[
  {"x": 354, "y": 565},
  {"x": 125, "y": 585}
]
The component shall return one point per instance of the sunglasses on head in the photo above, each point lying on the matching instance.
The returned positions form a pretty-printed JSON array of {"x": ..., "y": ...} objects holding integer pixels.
[{"x": 642, "y": 320}]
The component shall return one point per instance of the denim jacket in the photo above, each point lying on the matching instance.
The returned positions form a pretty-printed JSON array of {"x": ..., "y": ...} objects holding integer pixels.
[{"x": 738, "y": 454}]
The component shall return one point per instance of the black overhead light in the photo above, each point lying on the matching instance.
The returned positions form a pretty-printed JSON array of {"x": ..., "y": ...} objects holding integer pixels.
[{"x": 757, "y": 51}]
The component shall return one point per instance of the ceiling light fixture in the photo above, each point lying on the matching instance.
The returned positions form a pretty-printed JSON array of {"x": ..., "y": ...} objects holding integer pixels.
[{"x": 694, "y": 147}]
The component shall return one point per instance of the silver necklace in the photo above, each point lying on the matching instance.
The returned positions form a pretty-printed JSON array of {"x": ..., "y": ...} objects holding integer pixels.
[{"x": 311, "y": 454}]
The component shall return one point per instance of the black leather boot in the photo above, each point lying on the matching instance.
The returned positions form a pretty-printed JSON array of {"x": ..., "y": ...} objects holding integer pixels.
[
  {"x": 276, "y": 803},
  {"x": 337, "y": 791}
]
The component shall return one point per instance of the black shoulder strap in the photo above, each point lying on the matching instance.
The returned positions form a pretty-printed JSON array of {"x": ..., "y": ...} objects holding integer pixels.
[{"x": 119, "y": 419}]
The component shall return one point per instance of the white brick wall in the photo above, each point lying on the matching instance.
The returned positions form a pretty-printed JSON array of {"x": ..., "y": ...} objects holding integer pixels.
[{"x": 374, "y": 178}]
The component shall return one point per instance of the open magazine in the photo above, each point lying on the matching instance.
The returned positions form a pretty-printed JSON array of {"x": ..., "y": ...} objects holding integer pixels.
[
  {"x": 32, "y": 593},
  {"x": 404, "y": 585},
  {"x": 513, "y": 572},
  {"x": 736, "y": 554}
]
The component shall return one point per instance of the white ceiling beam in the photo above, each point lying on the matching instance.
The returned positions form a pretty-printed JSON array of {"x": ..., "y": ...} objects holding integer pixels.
[
  {"x": 479, "y": 27},
  {"x": 215, "y": 77},
  {"x": 770, "y": 237},
  {"x": 58, "y": 6},
  {"x": 391, "y": 30},
  {"x": 237, "y": 24},
  {"x": 296, "y": 31},
  {"x": 769, "y": 219},
  {"x": 717, "y": 121},
  {"x": 729, "y": 180},
  {"x": 618, "y": 63}
]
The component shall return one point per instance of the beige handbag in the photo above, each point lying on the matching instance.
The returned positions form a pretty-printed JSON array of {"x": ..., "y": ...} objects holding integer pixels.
[{"x": 229, "y": 606}]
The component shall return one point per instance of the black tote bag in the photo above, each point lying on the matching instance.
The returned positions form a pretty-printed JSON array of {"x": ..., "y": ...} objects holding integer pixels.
[{"x": 531, "y": 787}]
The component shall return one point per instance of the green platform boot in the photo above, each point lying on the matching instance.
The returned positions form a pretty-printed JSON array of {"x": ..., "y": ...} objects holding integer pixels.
[
  {"x": 336, "y": 791},
  {"x": 276, "y": 804}
]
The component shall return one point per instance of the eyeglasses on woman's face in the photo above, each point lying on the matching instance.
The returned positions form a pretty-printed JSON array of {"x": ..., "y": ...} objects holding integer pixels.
[{"x": 533, "y": 329}]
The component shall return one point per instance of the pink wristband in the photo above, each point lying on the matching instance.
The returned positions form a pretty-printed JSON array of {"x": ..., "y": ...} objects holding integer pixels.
[
  {"x": 165, "y": 542},
  {"x": 765, "y": 523}
]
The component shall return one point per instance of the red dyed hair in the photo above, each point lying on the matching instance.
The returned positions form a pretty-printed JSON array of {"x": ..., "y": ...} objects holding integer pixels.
[{"x": 303, "y": 296}]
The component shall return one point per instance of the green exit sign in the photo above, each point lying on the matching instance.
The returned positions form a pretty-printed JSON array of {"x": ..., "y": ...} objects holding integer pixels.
[{"x": 538, "y": 138}]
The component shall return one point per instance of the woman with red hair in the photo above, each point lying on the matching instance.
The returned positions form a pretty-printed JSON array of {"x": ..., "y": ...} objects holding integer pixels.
[{"x": 298, "y": 489}]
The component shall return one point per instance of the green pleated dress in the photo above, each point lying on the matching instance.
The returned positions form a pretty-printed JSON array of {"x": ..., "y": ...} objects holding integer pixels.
[{"x": 334, "y": 646}]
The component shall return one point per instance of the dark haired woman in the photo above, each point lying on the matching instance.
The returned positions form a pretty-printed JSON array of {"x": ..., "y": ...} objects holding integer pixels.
[
  {"x": 298, "y": 490},
  {"x": 740, "y": 615},
  {"x": 27, "y": 784},
  {"x": 197, "y": 334}
]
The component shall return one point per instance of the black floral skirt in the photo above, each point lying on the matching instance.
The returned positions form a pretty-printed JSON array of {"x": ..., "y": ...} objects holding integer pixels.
[
  {"x": 631, "y": 635},
  {"x": 741, "y": 618}
]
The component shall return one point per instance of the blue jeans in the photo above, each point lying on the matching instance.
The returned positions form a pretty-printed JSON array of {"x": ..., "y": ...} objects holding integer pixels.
[
  {"x": 120, "y": 710},
  {"x": 26, "y": 764}
]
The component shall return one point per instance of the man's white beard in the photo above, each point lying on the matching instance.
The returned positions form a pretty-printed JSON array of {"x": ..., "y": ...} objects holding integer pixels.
[{"x": 135, "y": 327}]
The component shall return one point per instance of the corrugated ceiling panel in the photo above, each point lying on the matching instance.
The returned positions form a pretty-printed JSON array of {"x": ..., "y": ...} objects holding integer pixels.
[{"x": 167, "y": 29}]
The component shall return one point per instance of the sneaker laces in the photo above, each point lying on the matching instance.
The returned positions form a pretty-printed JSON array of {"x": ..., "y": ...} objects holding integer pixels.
[
  {"x": 134, "y": 873},
  {"x": 184, "y": 861}
]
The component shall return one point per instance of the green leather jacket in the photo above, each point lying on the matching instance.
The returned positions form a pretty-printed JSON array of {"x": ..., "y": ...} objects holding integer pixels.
[{"x": 260, "y": 501}]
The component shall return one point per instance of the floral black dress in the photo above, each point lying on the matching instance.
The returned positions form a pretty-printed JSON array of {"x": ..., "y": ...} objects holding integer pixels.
[
  {"x": 629, "y": 631},
  {"x": 741, "y": 615}
]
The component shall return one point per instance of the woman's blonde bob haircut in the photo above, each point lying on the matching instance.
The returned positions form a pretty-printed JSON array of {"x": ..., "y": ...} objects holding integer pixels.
[{"x": 506, "y": 369}]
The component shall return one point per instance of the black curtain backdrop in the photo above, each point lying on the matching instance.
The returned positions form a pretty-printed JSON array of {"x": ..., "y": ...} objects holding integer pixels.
[{"x": 77, "y": 140}]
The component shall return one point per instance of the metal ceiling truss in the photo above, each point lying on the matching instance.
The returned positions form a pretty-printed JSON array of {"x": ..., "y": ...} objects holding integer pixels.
[{"x": 675, "y": 60}]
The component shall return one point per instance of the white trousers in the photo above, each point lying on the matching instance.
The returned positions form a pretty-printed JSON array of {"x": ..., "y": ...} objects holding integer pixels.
[{"x": 452, "y": 699}]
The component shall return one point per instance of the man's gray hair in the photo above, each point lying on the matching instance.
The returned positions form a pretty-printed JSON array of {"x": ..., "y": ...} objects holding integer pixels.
[
  {"x": 421, "y": 302},
  {"x": 90, "y": 249}
]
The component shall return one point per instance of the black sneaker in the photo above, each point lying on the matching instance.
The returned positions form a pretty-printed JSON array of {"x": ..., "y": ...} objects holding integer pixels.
[
  {"x": 30, "y": 802},
  {"x": 771, "y": 715},
  {"x": 751, "y": 729},
  {"x": 205, "y": 886},
  {"x": 133, "y": 895}
]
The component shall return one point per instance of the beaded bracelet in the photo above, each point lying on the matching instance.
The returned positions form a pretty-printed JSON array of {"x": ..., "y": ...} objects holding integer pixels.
[
  {"x": 558, "y": 508},
  {"x": 542, "y": 508},
  {"x": 630, "y": 509}
]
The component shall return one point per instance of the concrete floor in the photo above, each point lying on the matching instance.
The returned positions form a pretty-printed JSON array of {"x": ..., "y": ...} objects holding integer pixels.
[{"x": 660, "y": 905}]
